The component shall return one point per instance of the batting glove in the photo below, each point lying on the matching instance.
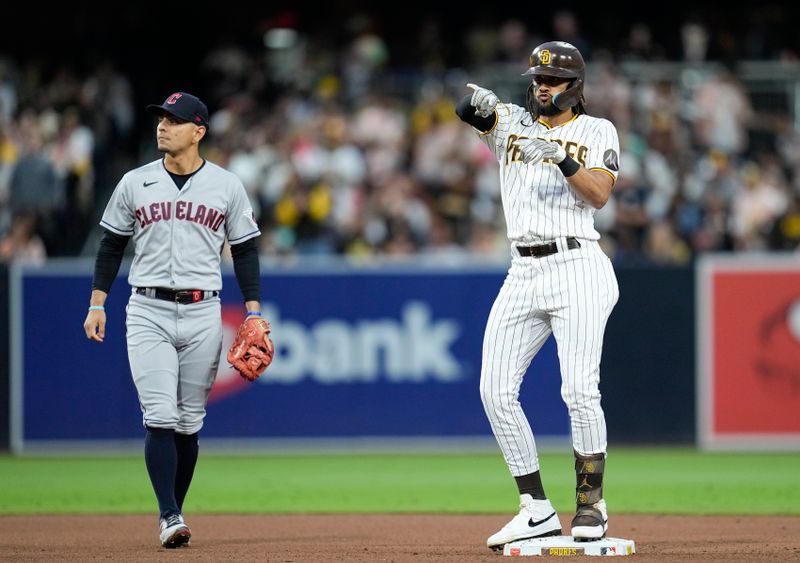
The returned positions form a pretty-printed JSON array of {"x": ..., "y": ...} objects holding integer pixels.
[
  {"x": 534, "y": 150},
  {"x": 483, "y": 100}
]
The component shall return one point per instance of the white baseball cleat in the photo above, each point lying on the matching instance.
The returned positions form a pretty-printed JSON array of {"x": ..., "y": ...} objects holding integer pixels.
[
  {"x": 590, "y": 522},
  {"x": 174, "y": 531},
  {"x": 536, "y": 519}
]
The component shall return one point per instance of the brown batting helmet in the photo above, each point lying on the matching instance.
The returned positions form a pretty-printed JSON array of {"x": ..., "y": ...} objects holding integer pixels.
[{"x": 559, "y": 58}]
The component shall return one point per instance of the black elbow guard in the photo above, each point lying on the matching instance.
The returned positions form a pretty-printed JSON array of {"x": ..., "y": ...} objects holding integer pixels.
[
  {"x": 464, "y": 109},
  {"x": 466, "y": 112}
]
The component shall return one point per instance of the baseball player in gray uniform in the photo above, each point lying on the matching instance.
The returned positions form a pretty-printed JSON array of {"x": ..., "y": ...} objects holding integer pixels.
[
  {"x": 179, "y": 211},
  {"x": 557, "y": 165}
]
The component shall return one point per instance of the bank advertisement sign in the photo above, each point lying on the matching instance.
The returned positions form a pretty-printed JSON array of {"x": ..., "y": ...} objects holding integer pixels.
[
  {"x": 749, "y": 352},
  {"x": 360, "y": 353}
]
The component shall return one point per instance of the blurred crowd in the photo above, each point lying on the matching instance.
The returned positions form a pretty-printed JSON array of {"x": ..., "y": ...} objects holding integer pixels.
[{"x": 346, "y": 150}]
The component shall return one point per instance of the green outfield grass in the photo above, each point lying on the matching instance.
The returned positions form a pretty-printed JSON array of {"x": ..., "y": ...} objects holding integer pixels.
[{"x": 668, "y": 481}]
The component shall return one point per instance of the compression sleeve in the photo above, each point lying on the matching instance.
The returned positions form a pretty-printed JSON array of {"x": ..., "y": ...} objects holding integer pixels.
[
  {"x": 466, "y": 112},
  {"x": 109, "y": 258},
  {"x": 247, "y": 269}
]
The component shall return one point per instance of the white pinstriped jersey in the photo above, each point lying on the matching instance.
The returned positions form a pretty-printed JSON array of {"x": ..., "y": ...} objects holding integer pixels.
[
  {"x": 537, "y": 200},
  {"x": 178, "y": 235}
]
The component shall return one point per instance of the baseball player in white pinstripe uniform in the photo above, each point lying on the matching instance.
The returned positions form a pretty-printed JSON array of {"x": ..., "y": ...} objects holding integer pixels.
[{"x": 557, "y": 165}]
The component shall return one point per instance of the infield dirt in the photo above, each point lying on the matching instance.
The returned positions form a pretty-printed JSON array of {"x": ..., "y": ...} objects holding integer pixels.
[{"x": 371, "y": 537}]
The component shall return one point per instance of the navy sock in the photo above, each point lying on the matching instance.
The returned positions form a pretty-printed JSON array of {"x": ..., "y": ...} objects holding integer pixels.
[
  {"x": 161, "y": 459},
  {"x": 186, "y": 446}
]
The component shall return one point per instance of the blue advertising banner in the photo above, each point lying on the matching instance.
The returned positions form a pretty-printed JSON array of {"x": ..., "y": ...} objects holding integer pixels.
[{"x": 360, "y": 353}]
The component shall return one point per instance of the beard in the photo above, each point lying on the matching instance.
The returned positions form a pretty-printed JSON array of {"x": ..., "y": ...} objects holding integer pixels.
[{"x": 547, "y": 109}]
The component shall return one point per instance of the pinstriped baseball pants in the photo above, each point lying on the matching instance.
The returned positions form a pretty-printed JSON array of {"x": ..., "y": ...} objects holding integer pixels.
[{"x": 569, "y": 294}]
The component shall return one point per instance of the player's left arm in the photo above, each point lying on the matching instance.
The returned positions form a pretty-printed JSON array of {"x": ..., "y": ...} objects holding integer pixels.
[
  {"x": 593, "y": 186},
  {"x": 248, "y": 273},
  {"x": 590, "y": 184},
  {"x": 252, "y": 349},
  {"x": 242, "y": 231},
  {"x": 593, "y": 181}
]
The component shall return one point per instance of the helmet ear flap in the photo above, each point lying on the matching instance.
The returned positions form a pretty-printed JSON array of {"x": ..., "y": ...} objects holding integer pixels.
[
  {"x": 571, "y": 96},
  {"x": 555, "y": 100}
]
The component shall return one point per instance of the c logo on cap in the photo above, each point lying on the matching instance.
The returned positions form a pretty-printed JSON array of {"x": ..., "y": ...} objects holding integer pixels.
[{"x": 174, "y": 98}]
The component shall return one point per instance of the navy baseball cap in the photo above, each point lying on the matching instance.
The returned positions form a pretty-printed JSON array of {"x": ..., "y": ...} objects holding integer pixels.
[{"x": 183, "y": 106}]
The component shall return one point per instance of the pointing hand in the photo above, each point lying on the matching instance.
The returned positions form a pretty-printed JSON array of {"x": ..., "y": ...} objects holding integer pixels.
[{"x": 483, "y": 100}]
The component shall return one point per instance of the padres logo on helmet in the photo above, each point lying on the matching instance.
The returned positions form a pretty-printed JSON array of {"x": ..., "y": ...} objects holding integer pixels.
[{"x": 562, "y": 59}]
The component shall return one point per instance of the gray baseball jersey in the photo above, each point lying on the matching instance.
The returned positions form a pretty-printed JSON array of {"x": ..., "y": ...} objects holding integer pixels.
[
  {"x": 569, "y": 293},
  {"x": 174, "y": 348},
  {"x": 178, "y": 235}
]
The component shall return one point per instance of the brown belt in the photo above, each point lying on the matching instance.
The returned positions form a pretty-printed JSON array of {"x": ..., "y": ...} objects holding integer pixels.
[{"x": 540, "y": 250}]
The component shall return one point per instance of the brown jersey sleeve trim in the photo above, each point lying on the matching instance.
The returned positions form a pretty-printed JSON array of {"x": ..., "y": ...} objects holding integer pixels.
[{"x": 613, "y": 178}]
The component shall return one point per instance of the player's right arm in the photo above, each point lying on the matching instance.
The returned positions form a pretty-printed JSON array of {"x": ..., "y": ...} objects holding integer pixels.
[
  {"x": 118, "y": 221},
  {"x": 491, "y": 118},
  {"x": 95, "y": 323},
  {"x": 479, "y": 108},
  {"x": 106, "y": 267}
]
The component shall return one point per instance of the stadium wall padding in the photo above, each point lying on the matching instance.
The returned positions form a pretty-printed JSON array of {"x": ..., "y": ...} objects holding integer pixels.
[{"x": 362, "y": 352}]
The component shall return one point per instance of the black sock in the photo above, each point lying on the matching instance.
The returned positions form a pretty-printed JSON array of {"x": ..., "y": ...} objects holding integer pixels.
[
  {"x": 531, "y": 484},
  {"x": 186, "y": 446},
  {"x": 162, "y": 461}
]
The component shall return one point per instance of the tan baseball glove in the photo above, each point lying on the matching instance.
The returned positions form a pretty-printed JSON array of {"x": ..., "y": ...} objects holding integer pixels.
[{"x": 252, "y": 349}]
